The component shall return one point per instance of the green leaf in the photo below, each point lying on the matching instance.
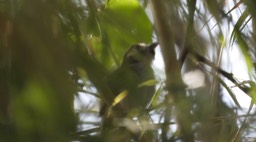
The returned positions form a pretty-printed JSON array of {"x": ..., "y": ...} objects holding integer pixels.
[
  {"x": 239, "y": 37},
  {"x": 230, "y": 92},
  {"x": 117, "y": 100},
  {"x": 253, "y": 92},
  {"x": 154, "y": 99},
  {"x": 124, "y": 23},
  {"x": 213, "y": 7},
  {"x": 119, "y": 97},
  {"x": 117, "y": 4},
  {"x": 127, "y": 21},
  {"x": 148, "y": 83},
  {"x": 238, "y": 26}
]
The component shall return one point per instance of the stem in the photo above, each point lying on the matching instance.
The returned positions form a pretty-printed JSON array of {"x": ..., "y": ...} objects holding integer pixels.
[{"x": 166, "y": 35}]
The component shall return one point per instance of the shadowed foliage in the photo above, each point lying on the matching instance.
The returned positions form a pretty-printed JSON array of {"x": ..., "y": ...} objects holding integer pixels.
[{"x": 64, "y": 61}]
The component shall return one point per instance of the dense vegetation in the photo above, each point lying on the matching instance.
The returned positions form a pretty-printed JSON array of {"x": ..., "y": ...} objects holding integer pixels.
[{"x": 53, "y": 52}]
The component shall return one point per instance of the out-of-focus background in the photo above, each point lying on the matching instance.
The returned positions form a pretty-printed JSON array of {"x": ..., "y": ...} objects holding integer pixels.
[{"x": 55, "y": 54}]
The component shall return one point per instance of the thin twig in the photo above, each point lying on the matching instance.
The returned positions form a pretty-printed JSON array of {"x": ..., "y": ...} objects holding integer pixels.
[
  {"x": 243, "y": 125},
  {"x": 228, "y": 75}
]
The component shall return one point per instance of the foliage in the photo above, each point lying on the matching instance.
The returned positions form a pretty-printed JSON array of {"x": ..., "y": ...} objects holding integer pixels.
[{"x": 55, "y": 52}]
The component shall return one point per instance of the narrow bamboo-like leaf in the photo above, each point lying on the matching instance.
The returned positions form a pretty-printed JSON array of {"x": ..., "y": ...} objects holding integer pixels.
[
  {"x": 148, "y": 83},
  {"x": 213, "y": 7},
  {"x": 244, "y": 48},
  {"x": 253, "y": 92},
  {"x": 237, "y": 36},
  {"x": 234, "y": 7},
  {"x": 238, "y": 26},
  {"x": 244, "y": 123},
  {"x": 88, "y": 131},
  {"x": 155, "y": 97},
  {"x": 117, "y": 100},
  {"x": 119, "y": 97},
  {"x": 230, "y": 92}
]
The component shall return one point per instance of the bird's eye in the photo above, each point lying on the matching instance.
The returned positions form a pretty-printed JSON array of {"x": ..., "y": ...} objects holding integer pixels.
[{"x": 137, "y": 47}]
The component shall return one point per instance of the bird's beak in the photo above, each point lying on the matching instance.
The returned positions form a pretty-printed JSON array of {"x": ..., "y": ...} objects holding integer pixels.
[{"x": 153, "y": 45}]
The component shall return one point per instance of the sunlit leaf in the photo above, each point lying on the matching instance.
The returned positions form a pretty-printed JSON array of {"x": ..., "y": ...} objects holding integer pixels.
[
  {"x": 117, "y": 100},
  {"x": 119, "y": 97},
  {"x": 148, "y": 83},
  {"x": 124, "y": 23},
  {"x": 117, "y": 4}
]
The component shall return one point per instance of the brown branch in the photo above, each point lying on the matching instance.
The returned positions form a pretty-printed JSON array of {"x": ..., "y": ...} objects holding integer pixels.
[{"x": 167, "y": 34}]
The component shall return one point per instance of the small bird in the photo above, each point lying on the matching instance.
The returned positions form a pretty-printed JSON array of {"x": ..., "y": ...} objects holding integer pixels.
[{"x": 134, "y": 71}]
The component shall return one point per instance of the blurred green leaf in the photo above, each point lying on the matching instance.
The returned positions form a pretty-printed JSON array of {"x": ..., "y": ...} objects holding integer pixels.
[
  {"x": 253, "y": 92},
  {"x": 117, "y": 100},
  {"x": 238, "y": 26},
  {"x": 112, "y": 29},
  {"x": 38, "y": 112},
  {"x": 119, "y": 97},
  {"x": 240, "y": 38},
  {"x": 126, "y": 20},
  {"x": 124, "y": 23},
  {"x": 151, "y": 82},
  {"x": 154, "y": 99},
  {"x": 230, "y": 92},
  {"x": 213, "y": 7}
]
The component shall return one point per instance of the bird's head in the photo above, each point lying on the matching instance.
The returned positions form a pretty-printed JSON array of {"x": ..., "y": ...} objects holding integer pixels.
[{"x": 140, "y": 54}]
